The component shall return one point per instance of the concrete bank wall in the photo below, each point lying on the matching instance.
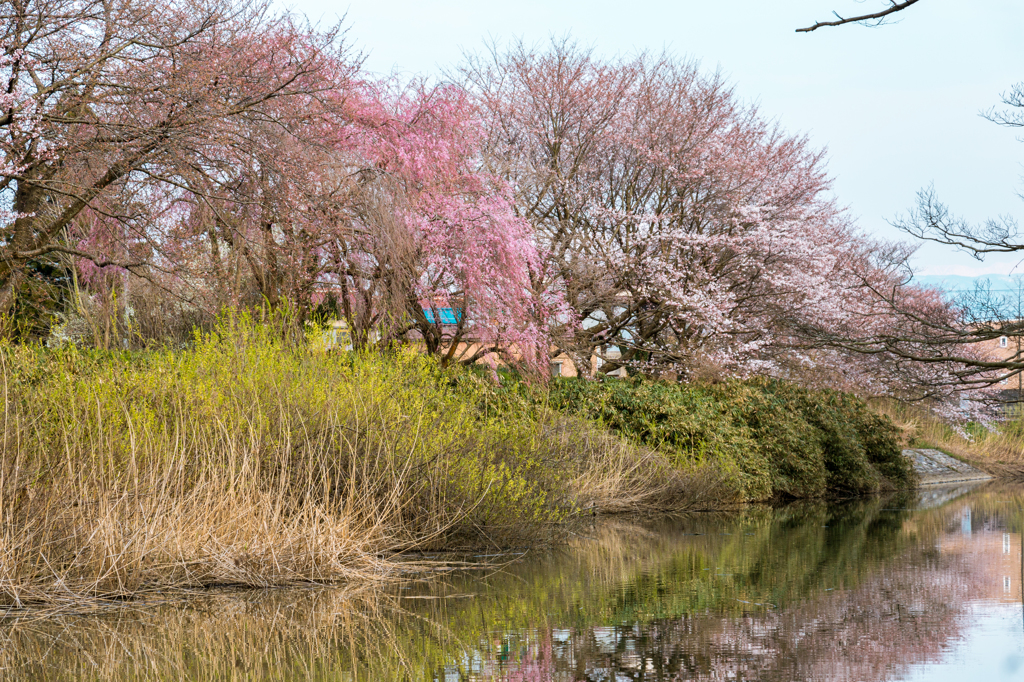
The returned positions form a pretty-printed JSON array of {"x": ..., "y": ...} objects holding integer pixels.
[{"x": 936, "y": 467}]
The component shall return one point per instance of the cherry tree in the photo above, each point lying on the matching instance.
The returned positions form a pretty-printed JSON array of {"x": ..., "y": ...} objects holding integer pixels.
[
  {"x": 633, "y": 209},
  {"x": 679, "y": 225},
  {"x": 109, "y": 102},
  {"x": 438, "y": 254},
  {"x": 372, "y": 196}
]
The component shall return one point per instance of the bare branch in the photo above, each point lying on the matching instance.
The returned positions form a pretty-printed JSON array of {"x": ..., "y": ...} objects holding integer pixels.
[
  {"x": 1009, "y": 118},
  {"x": 876, "y": 16},
  {"x": 98, "y": 261},
  {"x": 932, "y": 221}
]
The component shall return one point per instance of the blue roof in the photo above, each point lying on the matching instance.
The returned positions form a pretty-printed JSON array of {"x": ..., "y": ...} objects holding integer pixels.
[{"x": 447, "y": 315}]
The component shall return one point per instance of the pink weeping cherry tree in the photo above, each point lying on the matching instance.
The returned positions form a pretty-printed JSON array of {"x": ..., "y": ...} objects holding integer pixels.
[
  {"x": 438, "y": 253},
  {"x": 374, "y": 199}
]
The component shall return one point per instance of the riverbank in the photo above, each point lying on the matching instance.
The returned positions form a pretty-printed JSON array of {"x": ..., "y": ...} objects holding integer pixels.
[
  {"x": 998, "y": 450},
  {"x": 244, "y": 460}
]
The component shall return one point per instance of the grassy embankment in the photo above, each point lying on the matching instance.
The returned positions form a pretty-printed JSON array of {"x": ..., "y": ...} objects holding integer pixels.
[
  {"x": 999, "y": 449},
  {"x": 245, "y": 460}
]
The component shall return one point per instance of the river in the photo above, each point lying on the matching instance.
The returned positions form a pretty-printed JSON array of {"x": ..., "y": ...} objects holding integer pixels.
[{"x": 913, "y": 586}]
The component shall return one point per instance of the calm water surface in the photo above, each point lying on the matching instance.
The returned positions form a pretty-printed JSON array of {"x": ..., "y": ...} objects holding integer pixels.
[{"x": 921, "y": 586}]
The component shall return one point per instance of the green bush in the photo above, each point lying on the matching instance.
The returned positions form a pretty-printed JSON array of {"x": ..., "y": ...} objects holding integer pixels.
[{"x": 775, "y": 438}]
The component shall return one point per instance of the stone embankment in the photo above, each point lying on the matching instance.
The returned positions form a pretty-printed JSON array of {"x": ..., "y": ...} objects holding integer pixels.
[{"x": 936, "y": 467}]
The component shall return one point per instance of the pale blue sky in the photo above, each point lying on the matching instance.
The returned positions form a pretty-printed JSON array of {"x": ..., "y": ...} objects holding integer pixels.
[{"x": 897, "y": 107}]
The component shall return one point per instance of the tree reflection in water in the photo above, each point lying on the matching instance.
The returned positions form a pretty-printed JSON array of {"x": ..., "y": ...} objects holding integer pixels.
[{"x": 856, "y": 591}]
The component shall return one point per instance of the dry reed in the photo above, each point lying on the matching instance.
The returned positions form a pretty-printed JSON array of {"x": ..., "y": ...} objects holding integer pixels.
[
  {"x": 613, "y": 476},
  {"x": 246, "y": 460}
]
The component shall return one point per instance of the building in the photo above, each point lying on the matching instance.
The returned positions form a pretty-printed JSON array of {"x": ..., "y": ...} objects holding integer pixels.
[{"x": 336, "y": 336}]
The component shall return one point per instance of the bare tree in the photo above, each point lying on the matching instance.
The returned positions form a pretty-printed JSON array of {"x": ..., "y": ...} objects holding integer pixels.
[
  {"x": 984, "y": 315},
  {"x": 949, "y": 338},
  {"x": 931, "y": 220}
]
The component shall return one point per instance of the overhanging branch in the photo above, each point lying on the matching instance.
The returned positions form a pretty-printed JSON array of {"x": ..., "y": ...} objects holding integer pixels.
[{"x": 879, "y": 16}]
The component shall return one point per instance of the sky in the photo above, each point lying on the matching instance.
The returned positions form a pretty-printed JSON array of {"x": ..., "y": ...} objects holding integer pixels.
[{"x": 897, "y": 106}]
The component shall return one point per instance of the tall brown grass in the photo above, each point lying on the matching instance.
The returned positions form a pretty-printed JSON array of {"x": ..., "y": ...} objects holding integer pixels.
[
  {"x": 611, "y": 475},
  {"x": 249, "y": 460}
]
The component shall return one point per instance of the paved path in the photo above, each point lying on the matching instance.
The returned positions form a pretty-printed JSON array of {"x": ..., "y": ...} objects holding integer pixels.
[{"x": 935, "y": 467}]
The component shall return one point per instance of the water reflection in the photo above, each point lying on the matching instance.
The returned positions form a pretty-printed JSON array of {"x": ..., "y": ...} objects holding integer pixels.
[{"x": 867, "y": 590}]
